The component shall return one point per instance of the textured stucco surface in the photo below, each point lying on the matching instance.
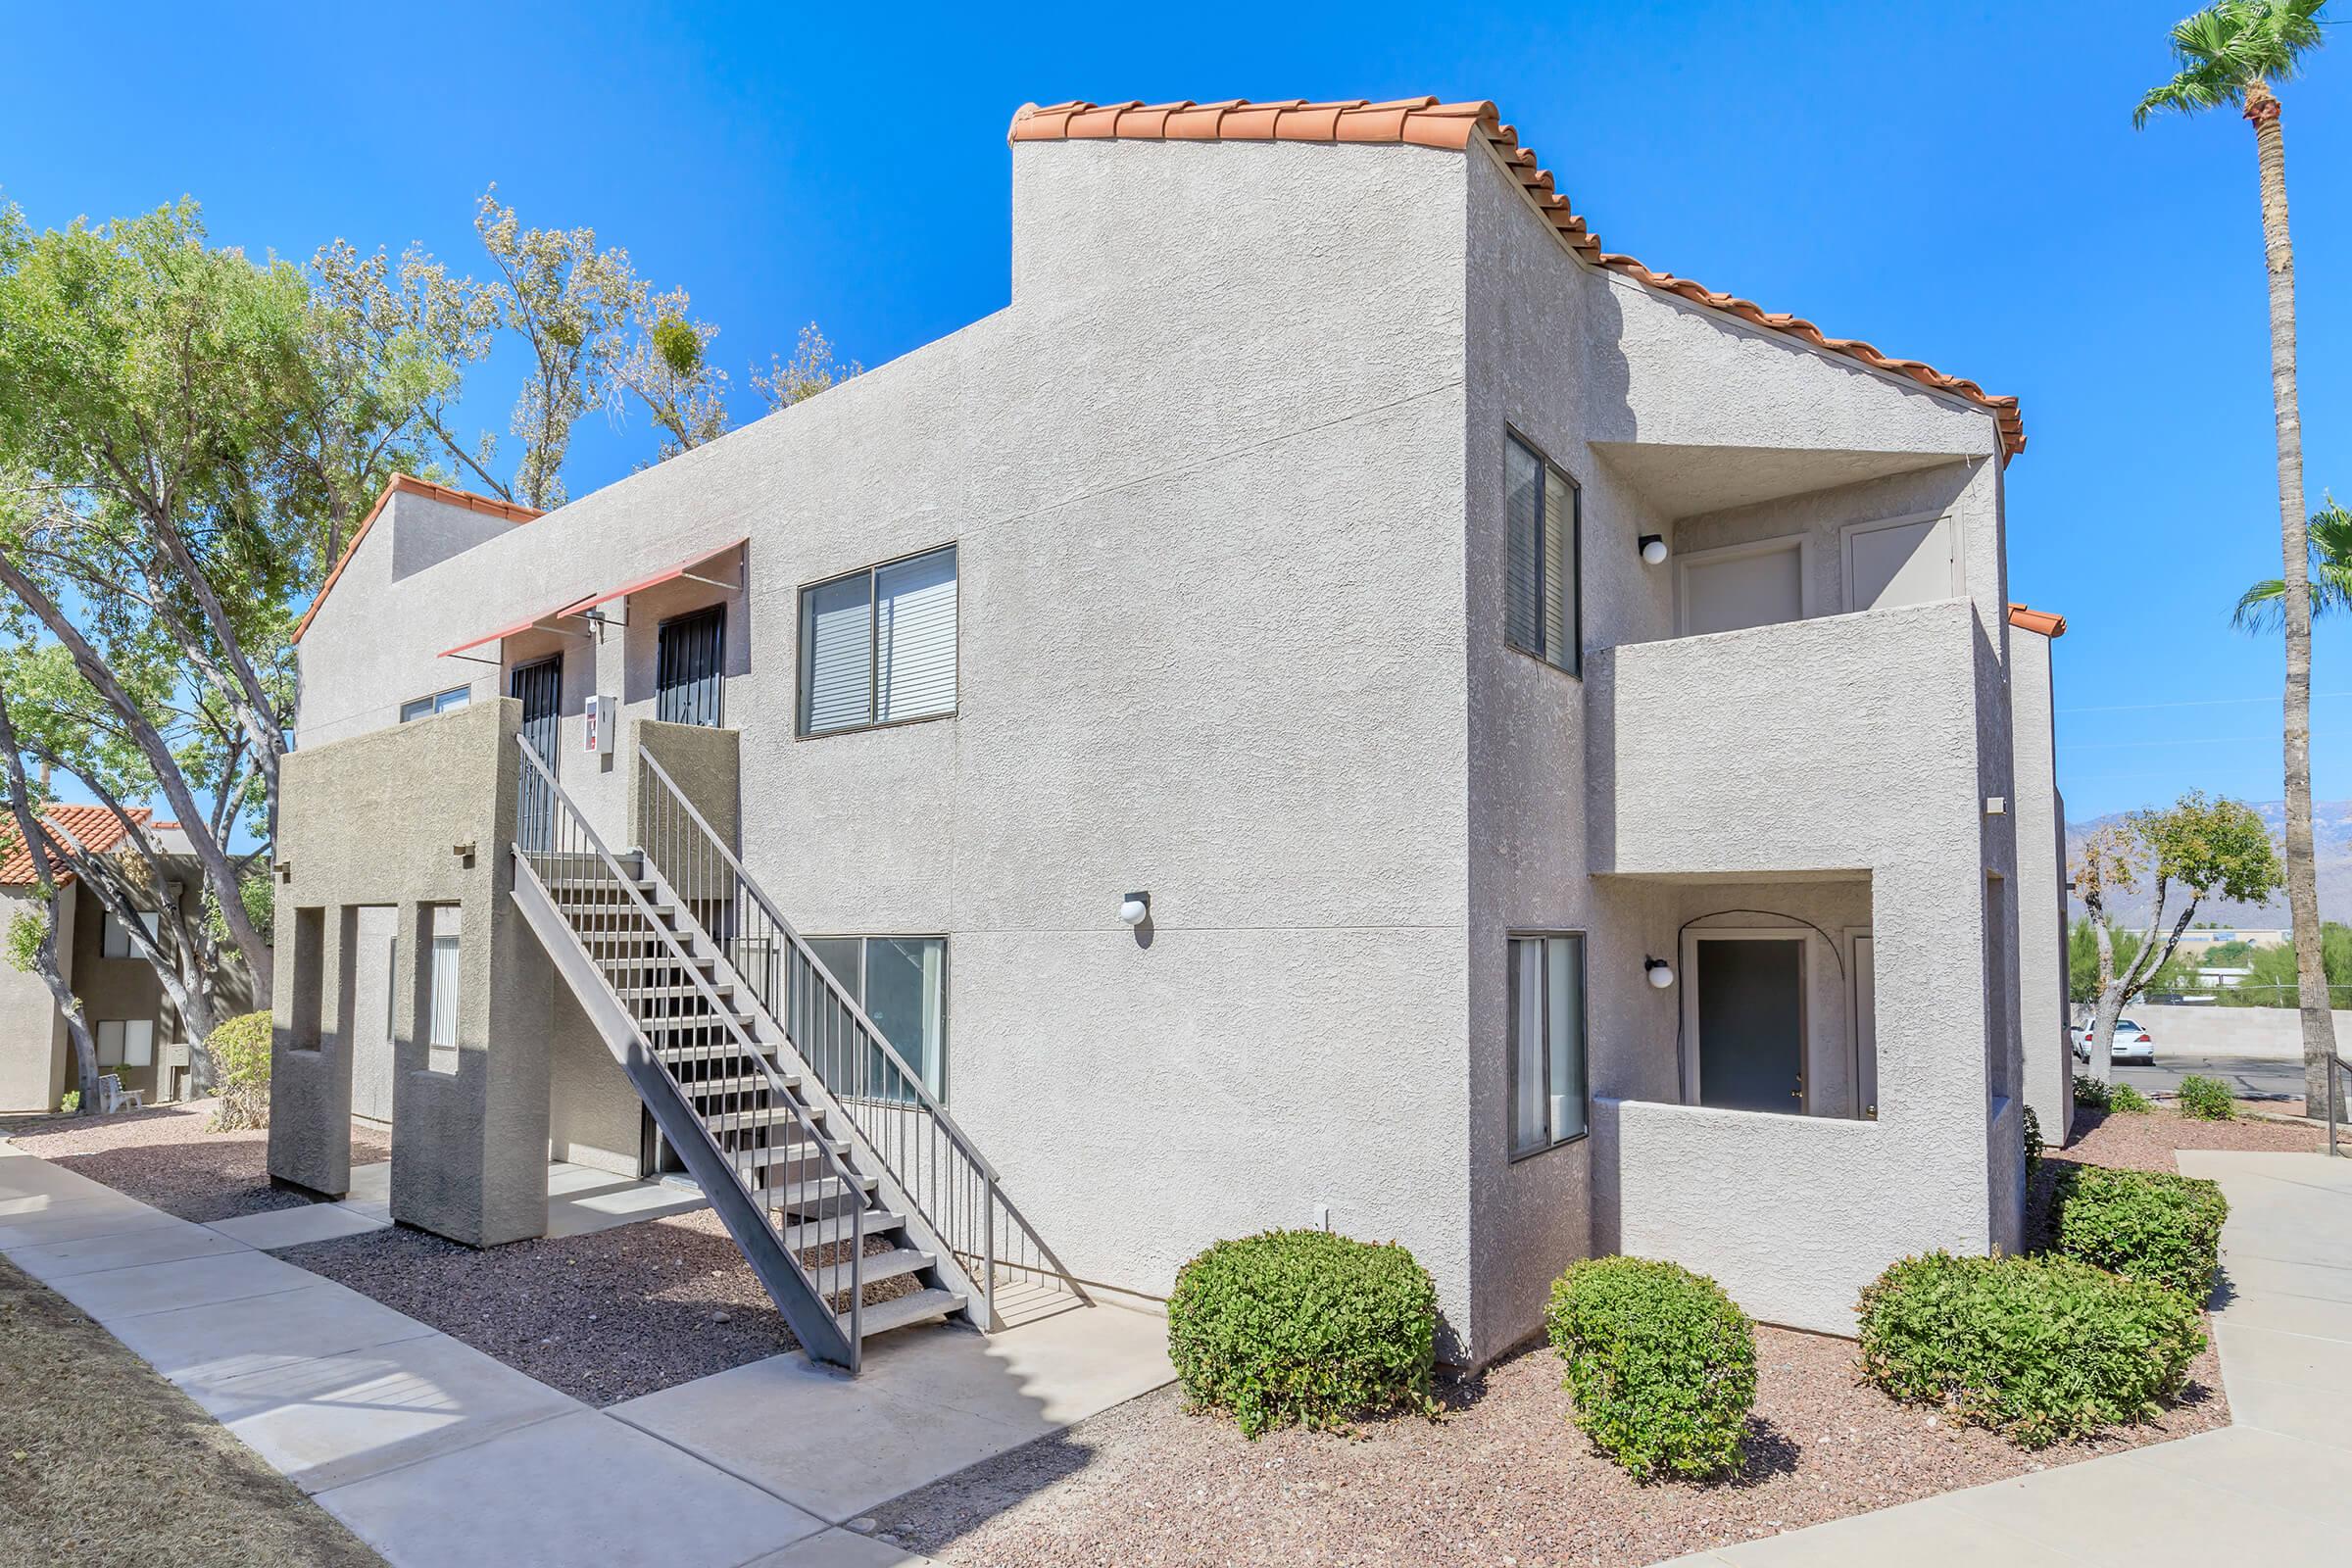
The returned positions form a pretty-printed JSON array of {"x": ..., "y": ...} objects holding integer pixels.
[
  {"x": 34, "y": 1050},
  {"x": 1225, "y": 480},
  {"x": 2042, "y": 1010},
  {"x": 470, "y": 1146},
  {"x": 1849, "y": 744}
]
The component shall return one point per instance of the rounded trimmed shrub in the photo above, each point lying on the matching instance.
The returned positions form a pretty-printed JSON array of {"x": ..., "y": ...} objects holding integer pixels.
[
  {"x": 2143, "y": 1224},
  {"x": 1305, "y": 1328},
  {"x": 240, "y": 1051},
  {"x": 2041, "y": 1350},
  {"x": 2206, "y": 1099},
  {"x": 1661, "y": 1363},
  {"x": 2129, "y": 1101}
]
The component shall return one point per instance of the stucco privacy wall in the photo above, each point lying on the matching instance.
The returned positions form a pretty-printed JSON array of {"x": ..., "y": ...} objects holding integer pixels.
[
  {"x": 1204, "y": 476},
  {"x": 381, "y": 820},
  {"x": 1571, "y": 357},
  {"x": 36, "y": 1055},
  {"x": 2047, "y": 1053},
  {"x": 1793, "y": 1214}
]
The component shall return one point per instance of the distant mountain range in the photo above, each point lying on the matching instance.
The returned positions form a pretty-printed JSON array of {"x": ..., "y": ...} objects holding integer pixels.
[{"x": 2331, "y": 840}]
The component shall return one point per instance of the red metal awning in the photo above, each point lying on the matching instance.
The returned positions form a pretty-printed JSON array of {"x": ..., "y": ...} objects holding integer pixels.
[
  {"x": 684, "y": 569},
  {"x": 528, "y": 623}
]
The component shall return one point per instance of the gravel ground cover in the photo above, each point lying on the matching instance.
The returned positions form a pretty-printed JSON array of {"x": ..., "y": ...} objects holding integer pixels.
[
  {"x": 1504, "y": 1478},
  {"x": 604, "y": 1317},
  {"x": 165, "y": 1157},
  {"x": 105, "y": 1465}
]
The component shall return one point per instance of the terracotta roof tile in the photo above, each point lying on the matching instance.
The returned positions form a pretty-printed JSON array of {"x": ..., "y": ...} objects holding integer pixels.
[
  {"x": 411, "y": 485},
  {"x": 2041, "y": 620},
  {"x": 96, "y": 827},
  {"x": 1427, "y": 122}
]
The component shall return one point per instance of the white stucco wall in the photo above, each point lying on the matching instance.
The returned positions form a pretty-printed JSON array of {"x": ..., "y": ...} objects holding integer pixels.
[
  {"x": 2042, "y": 1012},
  {"x": 1858, "y": 744},
  {"x": 1209, "y": 644},
  {"x": 36, "y": 1054}
]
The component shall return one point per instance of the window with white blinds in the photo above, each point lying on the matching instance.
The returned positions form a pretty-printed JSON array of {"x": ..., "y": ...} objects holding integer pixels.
[
  {"x": 878, "y": 647},
  {"x": 1542, "y": 604}
]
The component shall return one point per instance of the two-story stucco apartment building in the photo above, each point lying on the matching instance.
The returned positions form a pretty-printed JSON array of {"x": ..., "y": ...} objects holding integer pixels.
[{"x": 1343, "y": 703}]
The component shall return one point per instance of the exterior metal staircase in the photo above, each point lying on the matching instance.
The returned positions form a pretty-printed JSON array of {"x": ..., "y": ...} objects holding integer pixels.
[{"x": 858, "y": 1204}]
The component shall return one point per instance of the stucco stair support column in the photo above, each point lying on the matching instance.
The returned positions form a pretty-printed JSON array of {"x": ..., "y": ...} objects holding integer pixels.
[{"x": 811, "y": 1320}]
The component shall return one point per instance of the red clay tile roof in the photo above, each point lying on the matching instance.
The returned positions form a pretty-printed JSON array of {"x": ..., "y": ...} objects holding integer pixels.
[
  {"x": 2041, "y": 620},
  {"x": 97, "y": 828},
  {"x": 1427, "y": 122},
  {"x": 415, "y": 486}
]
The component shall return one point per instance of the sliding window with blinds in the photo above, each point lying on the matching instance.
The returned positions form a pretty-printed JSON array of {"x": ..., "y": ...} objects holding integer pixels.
[
  {"x": 1543, "y": 611},
  {"x": 878, "y": 647}
]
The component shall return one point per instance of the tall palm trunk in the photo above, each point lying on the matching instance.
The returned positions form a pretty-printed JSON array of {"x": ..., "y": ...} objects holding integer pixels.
[{"x": 2302, "y": 882}]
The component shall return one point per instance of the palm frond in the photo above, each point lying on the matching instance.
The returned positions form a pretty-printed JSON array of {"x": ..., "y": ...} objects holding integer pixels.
[
  {"x": 2228, "y": 47},
  {"x": 2263, "y": 607}
]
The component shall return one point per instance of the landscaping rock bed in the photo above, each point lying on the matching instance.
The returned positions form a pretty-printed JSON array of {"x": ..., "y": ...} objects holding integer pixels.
[
  {"x": 2146, "y": 1140},
  {"x": 166, "y": 1157},
  {"x": 604, "y": 1317},
  {"x": 1502, "y": 1477}
]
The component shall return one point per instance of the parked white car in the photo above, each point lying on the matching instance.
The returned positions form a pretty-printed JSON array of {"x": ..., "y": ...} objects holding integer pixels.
[{"x": 2131, "y": 1044}]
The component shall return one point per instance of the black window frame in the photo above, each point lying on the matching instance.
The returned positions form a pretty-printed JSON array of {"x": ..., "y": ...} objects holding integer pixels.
[
  {"x": 1573, "y": 606},
  {"x": 714, "y": 703},
  {"x": 804, "y": 672}
]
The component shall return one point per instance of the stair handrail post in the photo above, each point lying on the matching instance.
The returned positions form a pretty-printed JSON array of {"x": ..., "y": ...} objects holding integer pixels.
[
  {"x": 682, "y": 960},
  {"x": 988, "y": 1261},
  {"x": 832, "y": 983}
]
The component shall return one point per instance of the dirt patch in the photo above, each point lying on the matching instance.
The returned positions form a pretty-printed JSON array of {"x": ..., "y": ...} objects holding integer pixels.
[
  {"x": 104, "y": 1463},
  {"x": 605, "y": 1317},
  {"x": 166, "y": 1157},
  {"x": 2145, "y": 1140},
  {"x": 1503, "y": 1477}
]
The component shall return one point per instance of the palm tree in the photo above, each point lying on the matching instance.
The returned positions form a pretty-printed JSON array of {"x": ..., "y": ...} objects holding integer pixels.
[
  {"x": 2234, "y": 52},
  {"x": 2260, "y": 608}
]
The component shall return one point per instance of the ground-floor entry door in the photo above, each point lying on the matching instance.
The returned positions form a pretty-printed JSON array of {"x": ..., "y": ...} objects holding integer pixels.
[
  {"x": 539, "y": 687},
  {"x": 375, "y": 929},
  {"x": 1749, "y": 998}
]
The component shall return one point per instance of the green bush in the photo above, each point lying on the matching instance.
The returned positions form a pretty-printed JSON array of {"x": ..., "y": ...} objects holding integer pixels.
[
  {"x": 2146, "y": 1225},
  {"x": 2128, "y": 1101},
  {"x": 70, "y": 1102},
  {"x": 1303, "y": 1327},
  {"x": 2042, "y": 1350},
  {"x": 2033, "y": 1136},
  {"x": 240, "y": 1052},
  {"x": 2090, "y": 1091},
  {"x": 2206, "y": 1099},
  {"x": 1663, "y": 1366}
]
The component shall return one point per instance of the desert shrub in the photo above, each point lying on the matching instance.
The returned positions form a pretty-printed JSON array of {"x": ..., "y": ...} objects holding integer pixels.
[
  {"x": 1661, "y": 1363},
  {"x": 2147, "y": 1225},
  {"x": 240, "y": 1052},
  {"x": 1303, "y": 1327},
  {"x": 2042, "y": 1350},
  {"x": 70, "y": 1101},
  {"x": 2091, "y": 1092},
  {"x": 2128, "y": 1101},
  {"x": 2032, "y": 1125},
  {"x": 2206, "y": 1099}
]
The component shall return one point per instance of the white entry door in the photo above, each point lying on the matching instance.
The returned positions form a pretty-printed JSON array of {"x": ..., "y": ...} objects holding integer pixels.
[
  {"x": 1904, "y": 562},
  {"x": 1748, "y": 585},
  {"x": 373, "y": 929}
]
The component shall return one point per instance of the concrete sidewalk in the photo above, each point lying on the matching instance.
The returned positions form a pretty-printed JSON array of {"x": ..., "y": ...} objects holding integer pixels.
[
  {"x": 436, "y": 1454},
  {"x": 2275, "y": 1487}
]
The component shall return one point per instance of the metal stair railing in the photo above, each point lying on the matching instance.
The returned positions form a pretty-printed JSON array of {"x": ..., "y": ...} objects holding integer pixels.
[
  {"x": 891, "y": 1108},
  {"x": 2336, "y": 1098},
  {"x": 571, "y": 851}
]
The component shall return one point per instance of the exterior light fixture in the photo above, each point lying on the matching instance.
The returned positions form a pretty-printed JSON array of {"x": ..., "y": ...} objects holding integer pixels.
[
  {"x": 1136, "y": 908},
  {"x": 1654, "y": 549},
  {"x": 1659, "y": 972}
]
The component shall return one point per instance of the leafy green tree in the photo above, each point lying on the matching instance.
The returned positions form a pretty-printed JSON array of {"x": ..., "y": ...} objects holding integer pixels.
[
  {"x": 2195, "y": 848},
  {"x": 2237, "y": 53},
  {"x": 2272, "y": 980},
  {"x": 811, "y": 368}
]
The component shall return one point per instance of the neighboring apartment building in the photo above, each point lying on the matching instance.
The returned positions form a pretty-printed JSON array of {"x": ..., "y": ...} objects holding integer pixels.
[
  {"x": 132, "y": 1023},
  {"x": 1343, "y": 703}
]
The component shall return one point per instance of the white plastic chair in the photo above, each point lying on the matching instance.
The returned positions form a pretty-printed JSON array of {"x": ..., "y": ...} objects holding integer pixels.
[{"x": 113, "y": 1097}]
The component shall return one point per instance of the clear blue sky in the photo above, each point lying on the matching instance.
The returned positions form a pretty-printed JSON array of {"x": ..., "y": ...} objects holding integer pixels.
[{"x": 1959, "y": 183}]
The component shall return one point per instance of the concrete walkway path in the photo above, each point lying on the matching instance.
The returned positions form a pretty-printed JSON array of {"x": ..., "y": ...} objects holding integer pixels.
[
  {"x": 436, "y": 1454},
  {"x": 2275, "y": 1487}
]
